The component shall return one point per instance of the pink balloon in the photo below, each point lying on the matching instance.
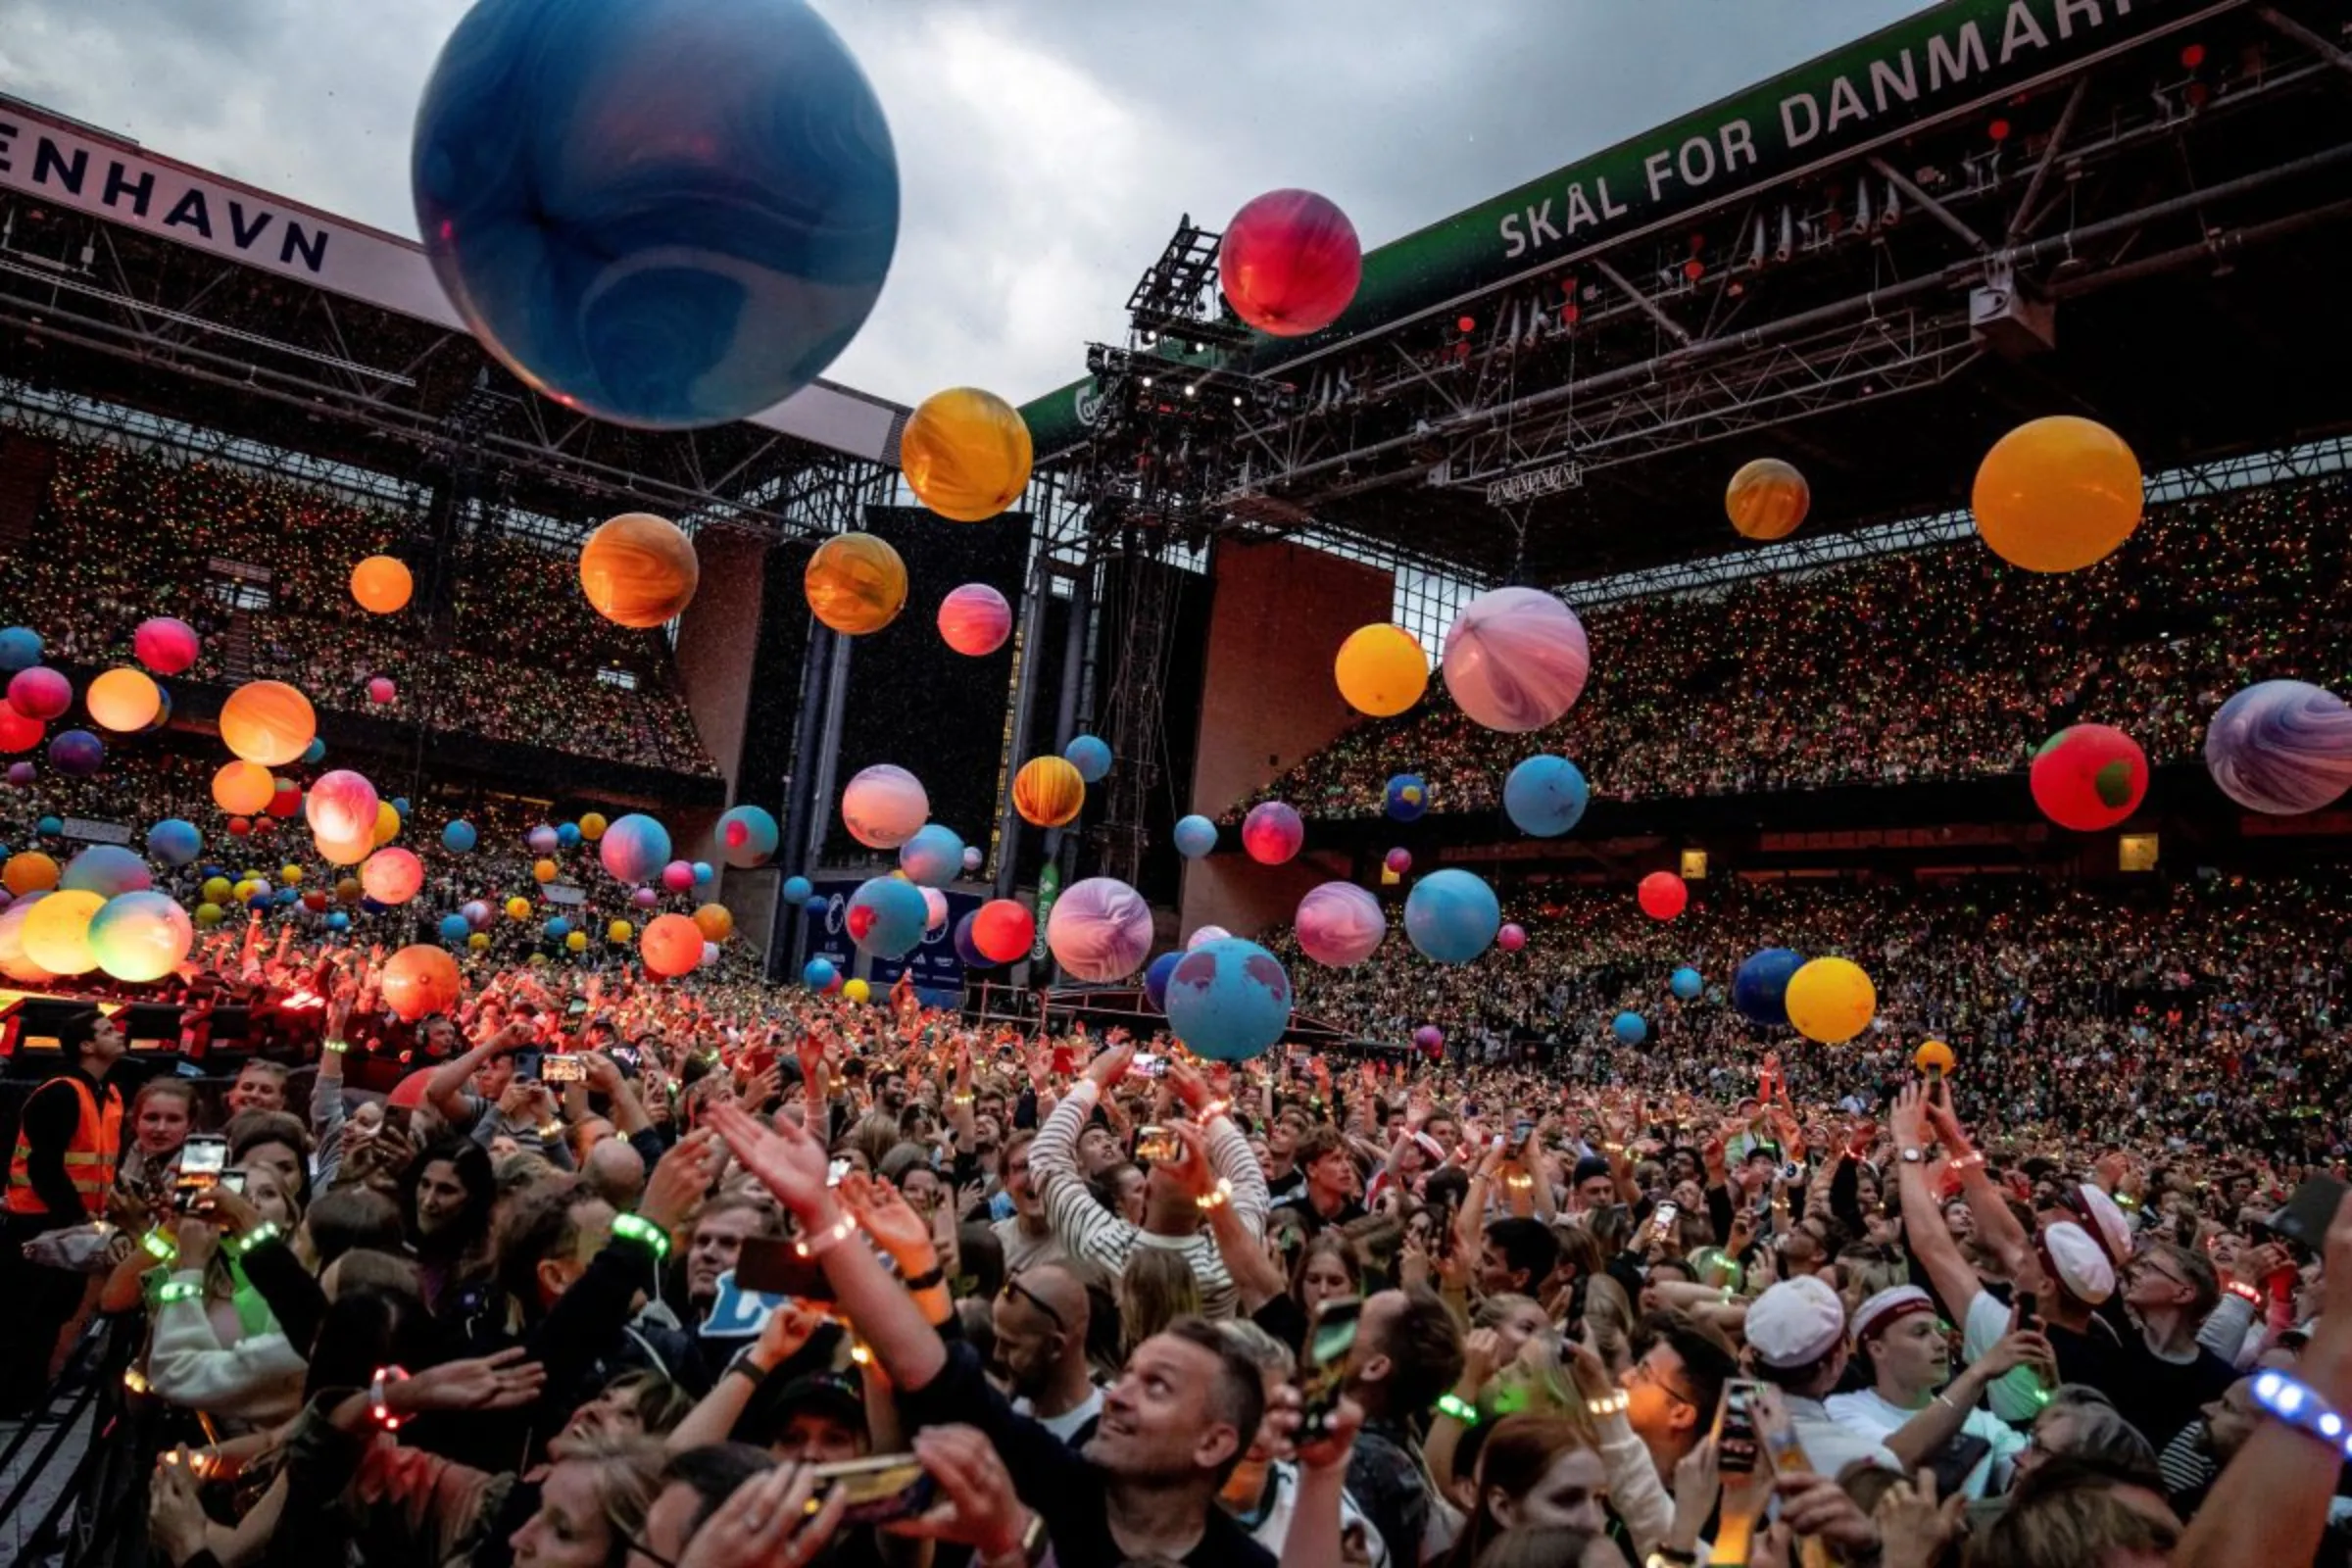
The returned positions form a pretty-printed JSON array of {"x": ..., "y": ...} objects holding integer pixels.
[
  {"x": 678, "y": 876},
  {"x": 342, "y": 807},
  {"x": 380, "y": 690},
  {"x": 1272, "y": 832},
  {"x": 1339, "y": 924},
  {"x": 974, "y": 619},
  {"x": 1100, "y": 930},
  {"x": 391, "y": 876},
  {"x": 1516, "y": 660},
  {"x": 39, "y": 692},
  {"x": 166, "y": 644},
  {"x": 1511, "y": 938}
]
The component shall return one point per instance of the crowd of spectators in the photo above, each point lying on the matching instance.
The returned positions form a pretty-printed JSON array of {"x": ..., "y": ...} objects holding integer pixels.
[
  {"x": 1932, "y": 663},
  {"x": 2203, "y": 1009},
  {"x": 518, "y": 656}
]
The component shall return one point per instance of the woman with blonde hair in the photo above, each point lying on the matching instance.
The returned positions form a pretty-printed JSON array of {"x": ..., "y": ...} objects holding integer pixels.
[{"x": 1155, "y": 1289}]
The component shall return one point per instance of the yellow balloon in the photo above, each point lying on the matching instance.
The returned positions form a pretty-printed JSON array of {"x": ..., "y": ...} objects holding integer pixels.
[
  {"x": 578, "y": 940},
  {"x": 123, "y": 700},
  {"x": 592, "y": 826},
  {"x": 856, "y": 583},
  {"x": 57, "y": 932},
  {"x": 387, "y": 826},
  {"x": 1047, "y": 792},
  {"x": 1831, "y": 1000},
  {"x": 857, "y": 990},
  {"x": 518, "y": 908},
  {"x": 2058, "y": 494},
  {"x": 1768, "y": 498},
  {"x": 639, "y": 571},
  {"x": 208, "y": 915},
  {"x": 1381, "y": 670},
  {"x": 289, "y": 874},
  {"x": 478, "y": 941},
  {"x": 216, "y": 889},
  {"x": 966, "y": 454},
  {"x": 1933, "y": 1055},
  {"x": 619, "y": 931},
  {"x": 715, "y": 921}
]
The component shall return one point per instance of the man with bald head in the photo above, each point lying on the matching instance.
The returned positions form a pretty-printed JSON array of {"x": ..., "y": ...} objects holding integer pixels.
[
  {"x": 616, "y": 1171},
  {"x": 1041, "y": 1322}
]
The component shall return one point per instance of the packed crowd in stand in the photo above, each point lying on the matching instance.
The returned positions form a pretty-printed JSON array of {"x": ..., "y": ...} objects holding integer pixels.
[
  {"x": 126, "y": 535},
  {"x": 1125, "y": 1308},
  {"x": 1945, "y": 663}
]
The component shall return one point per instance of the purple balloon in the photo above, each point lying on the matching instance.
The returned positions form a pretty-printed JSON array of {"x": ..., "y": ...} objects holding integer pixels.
[
  {"x": 543, "y": 840},
  {"x": 678, "y": 876},
  {"x": 1339, "y": 924},
  {"x": 2279, "y": 747},
  {"x": 645, "y": 898},
  {"x": 76, "y": 752},
  {"x": 1100, "y": 930},
  {"x": 972, "y": 957},
  {"x": 1429, "y": 1036}
]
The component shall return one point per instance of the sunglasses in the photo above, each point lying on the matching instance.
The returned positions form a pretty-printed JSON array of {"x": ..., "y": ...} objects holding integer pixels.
[{"x": 1014, "y": 1286}]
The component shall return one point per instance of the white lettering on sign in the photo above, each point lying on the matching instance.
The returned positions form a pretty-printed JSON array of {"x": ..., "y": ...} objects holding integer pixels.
[{"x": 1536, "y": 482}]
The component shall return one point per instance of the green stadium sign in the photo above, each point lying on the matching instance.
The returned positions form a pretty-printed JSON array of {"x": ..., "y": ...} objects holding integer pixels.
[{"x": 1944, "y": 62}]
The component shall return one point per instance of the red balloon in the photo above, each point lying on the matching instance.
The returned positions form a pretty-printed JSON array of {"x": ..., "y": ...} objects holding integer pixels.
[
  {"x": 672, "y": 944},
  {"x": 285, "y": 799},
  {"x": 238, "y": 827},
  {"x": 391, "y": 876},
  {"x": 1290, "y": 263},
  {"x": 419, "y": 980},
  {"x": 1003, "y": 930},
  {"x": 18, "y": 732},
  {"x": 1663, "y": 895},
  {"x": 2089, "y": 777}
]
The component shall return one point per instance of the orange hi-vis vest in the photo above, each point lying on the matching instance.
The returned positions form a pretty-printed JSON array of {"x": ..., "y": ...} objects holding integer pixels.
[{"x": 90, "y": 1159}]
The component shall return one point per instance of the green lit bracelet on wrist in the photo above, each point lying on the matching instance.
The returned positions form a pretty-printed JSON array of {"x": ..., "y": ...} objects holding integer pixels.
[{"x": 637, "y": 1228}]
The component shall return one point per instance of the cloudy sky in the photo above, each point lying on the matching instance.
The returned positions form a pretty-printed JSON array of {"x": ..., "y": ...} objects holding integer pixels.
[{"x": 1047, "y": 147}]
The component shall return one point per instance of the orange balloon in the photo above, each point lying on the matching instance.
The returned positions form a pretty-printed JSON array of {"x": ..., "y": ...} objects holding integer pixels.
[
  {"x": 966, "y": 454},
  {"x": 856, "y": 583},
  {"x": 57, "y": 932},
  {"x": 122, "y": 701},
  {"x": 1047, "y": 792},
  {"x": 419, "y": 980},
  {"x": 671, "y": 945},
  {"x": 268, "y": 722},
  {"x": 639, "y": 571},
  {"x": 243, "y": 788},
  {"x": 1768, "y": 498},
  {"x": 715, "y": 921},
  {"x": 382, "y": 585},
  {"x": 2058, "y": 494},
  {"x": 30, "y": 871}
]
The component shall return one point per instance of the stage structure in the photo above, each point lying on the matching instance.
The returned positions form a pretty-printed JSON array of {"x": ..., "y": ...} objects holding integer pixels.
[{"x": 1872, "y": 266}]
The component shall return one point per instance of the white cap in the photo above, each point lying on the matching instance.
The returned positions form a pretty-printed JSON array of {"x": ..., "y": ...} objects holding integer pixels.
[
  {"x": 2108, "y": 1226},
  {"x": 1795, "y": 1323},
  {"x": 2081, "y": 1263},
  {"x": 1896, "y": 1301}
]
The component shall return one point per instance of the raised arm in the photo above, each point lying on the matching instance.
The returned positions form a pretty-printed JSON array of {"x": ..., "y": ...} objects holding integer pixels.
[
  {"x": 1931, "y": 1240},
  {"x": 1996, "y": 1222}
]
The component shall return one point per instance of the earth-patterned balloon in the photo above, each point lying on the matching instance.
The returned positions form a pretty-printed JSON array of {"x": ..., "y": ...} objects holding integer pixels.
[
  {"x": 1516, "y": 659},
  {"x": 1229, "y": 1000},
  {"x": 886, "y": 917},
  {"x": 1407, "y": 796},
  {"x": 2282, "y": 747},
  {"x": 1339, "y": 924}
]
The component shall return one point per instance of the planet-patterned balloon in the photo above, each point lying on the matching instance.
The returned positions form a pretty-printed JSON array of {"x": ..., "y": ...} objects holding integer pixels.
[
  {"x": 1090, "y": 755},
  {"x": 1830, "y": 1001},
  {"x": 1272, "y": 832},
  {"x": 1290, "y": 263},
  {"x": 1339, "y": 924},
  {"x": 107, "y": 870},
  {"x": 933, "y": 858},
  {"x": 634, "y": 847},
  {"x": 1545, "y": 796},
  {"x": 2089, "y": 777},
  {"x": 1407, "y": 796},
  {"x": 2058, "y": 494},
  {"x": 57, "y": 934},
  {"x": 1768, "y": 498},
  {"x": 39, "y": 692},
  {"x": 18, "y": 733},
  {"x": 974, "y": 619},
  {"x": 886, "y": 917},
  {"x": 20, "y": 648},
  {"x": 382, "y": 585},
  {"x": 1049, "y": 791},
  {"x": 667, "y": 214},
  {"x": 1451, "y": 916},
  {"x": 966, "y": 454},
  {"x": 76, "y": 752},
  {"x": 1230, "y": 1001},
  {"x": 1516, "y": 660},
  {"x": 1397, "y": 861},
  {"x": 341, "y": 806},
  {"x": 1194, "y": 836},
  {"x": 140, "y": 937},
  {"x": 670, "y": 945},
  {"x": 966, "y": 952},
  {"x": 819, "y": 974},
  {"x": 123, "y": 700},
  {"x": 1155, "y": 979},
  {"x": 883, "y": 806},
  {"x": 2282, "y": 747},
  {"x": 639, "y": 571},
  {"x": 174, "y": 841},
  {"x": 1761, "y": 985},
  {"x": 268, "y": 723},
  {"x": 1512, "y": 937},
  {"x": 392, "y": 876},
  {"x": 421, "y": 979},
  {"x": 1203, "y": 936},
  {"x": 1100, "y": 930},
  {"x": 243, "y": 788},
  {"x": 856, "y": 583},
  {"x": 797, "y": 890}
]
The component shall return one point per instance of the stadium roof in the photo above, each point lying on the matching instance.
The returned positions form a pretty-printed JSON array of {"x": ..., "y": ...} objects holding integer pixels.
[
  {"x": 150, "y": 284},
  {"x": 1872, "y": 266}
]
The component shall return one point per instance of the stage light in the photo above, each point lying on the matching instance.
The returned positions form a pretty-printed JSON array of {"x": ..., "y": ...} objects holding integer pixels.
[
  {"x": 2192, "y": 57},
  {"x": 1146, "y": 381},
  {"x": 1190, "y": 390},
  {"x": 1237, "y": 400},
  {"x": 1998, "y": 130}
]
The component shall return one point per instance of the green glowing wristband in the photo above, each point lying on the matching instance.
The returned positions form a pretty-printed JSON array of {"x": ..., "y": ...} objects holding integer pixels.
[{"x": 636, "y": 1228}]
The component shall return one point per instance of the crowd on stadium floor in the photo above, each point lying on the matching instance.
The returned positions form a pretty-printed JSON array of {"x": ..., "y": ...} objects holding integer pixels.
[
  {"x": 128, "y": 535},
  {"x": 1936, "y": 664},
  {"x": 516, "y": 1318}
]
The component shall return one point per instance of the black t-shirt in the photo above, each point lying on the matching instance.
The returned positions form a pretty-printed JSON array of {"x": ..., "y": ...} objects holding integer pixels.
[
  {"x": 2160, "y": 1396},
  {"x": 1066, "y": 1490}
]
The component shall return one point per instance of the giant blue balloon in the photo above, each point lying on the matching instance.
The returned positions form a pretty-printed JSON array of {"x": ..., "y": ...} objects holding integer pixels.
[
  {"x": 458, "y": 837},
  {"x": 20, "y": 648},
  {"x": 1194, "y": 836},
  {"x": 174, "y": 841},
  {"x": 1545, "y": 796},
  {"x": 665, "y": 213},
  {"x": 1760, "y": 987},
  {"x": 1155, "y": 979},
  {"x": 1228, "y": 1000},
  {"x": 1090, "y": 755},
  {"x": 1629, "y": 1028},
  {"x": 933, "y": 858},
  {"x": 747, "y": 836},
  {"x": 886, "y": 917},
  {"x": 1686, "y": 983},
  {"x": 1451, "y": 916}
]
